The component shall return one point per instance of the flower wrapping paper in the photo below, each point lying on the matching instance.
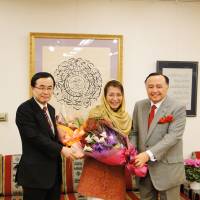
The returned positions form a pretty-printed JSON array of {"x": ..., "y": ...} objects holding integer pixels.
[{"x": 102, "y": 142}]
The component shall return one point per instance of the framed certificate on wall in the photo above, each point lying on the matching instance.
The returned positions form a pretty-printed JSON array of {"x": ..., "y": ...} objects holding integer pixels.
[{"x": 183, "y": 77}]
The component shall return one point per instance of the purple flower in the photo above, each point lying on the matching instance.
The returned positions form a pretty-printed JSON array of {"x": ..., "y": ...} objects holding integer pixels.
[
  {"x": 111, "y": 139},
  {"x": 104, "y": 139},
  {"x": 98, "y": 147}
]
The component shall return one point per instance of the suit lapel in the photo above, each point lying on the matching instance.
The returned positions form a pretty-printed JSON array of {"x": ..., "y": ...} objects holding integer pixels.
[
  {"x": 52, "y": 115},
  {"x": 41, "y": 118},
  {"x": 160, "y": 113},
  {"x": 144, "y": 123},
  {"x": 145, "y": 115}
]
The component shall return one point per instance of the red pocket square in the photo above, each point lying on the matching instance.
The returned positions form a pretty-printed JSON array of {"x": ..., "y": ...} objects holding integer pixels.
[{"x": 166, "y": 119}]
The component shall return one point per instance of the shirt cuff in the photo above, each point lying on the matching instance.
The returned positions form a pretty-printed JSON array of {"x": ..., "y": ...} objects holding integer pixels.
[{"x": 151, "y": 156}]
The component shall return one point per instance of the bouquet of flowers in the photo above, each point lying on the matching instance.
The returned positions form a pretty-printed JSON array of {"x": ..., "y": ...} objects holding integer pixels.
[
  {"x": 69, "y": 131},
  {"x": 192, "y": 170},
  {"x": 102, "y": 142}
]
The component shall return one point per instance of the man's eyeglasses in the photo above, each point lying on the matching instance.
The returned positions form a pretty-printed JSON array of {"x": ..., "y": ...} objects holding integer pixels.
[{"x": 43, "y": 89}]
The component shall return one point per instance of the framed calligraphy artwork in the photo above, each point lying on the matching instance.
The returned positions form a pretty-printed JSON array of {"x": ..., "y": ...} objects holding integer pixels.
[
  {"x": 183, "y": 76},
  {"x": 80, "y": 63}
]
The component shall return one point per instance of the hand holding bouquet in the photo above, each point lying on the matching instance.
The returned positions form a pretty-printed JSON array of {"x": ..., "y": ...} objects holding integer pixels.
[
  {"x": 70, "y": 133},
  {"x": 102, "y": 142}
]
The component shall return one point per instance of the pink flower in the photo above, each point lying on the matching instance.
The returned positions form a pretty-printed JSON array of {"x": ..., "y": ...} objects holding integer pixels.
[
  {"x": 192, "y": 162},
  {"x": 166, "y": 119}
]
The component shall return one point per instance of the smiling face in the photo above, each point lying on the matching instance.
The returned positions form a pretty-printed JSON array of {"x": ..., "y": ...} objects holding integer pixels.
[
  {"x": 43, "y": 90},
  {"x": 157, "y": 88},
  {"x": 114, "y": 97}
]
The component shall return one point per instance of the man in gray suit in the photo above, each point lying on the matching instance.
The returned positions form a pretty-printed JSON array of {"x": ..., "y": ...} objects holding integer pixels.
[{"x": 158, "y": 123}]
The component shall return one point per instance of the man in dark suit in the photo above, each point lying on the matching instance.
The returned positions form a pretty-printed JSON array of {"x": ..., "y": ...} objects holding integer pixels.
[
  {"x": 158, "y": 123},
  {"x": 39, "y": 170}
]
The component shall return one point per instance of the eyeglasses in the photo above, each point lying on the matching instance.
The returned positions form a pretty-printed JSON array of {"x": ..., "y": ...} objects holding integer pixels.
[{"x": 43, "y": 89}]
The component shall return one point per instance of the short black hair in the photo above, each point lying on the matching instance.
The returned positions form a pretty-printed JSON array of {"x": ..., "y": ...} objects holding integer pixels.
[
  {"x": 41, "y": 75},
  {"x": 113, "y": 83},
  {"x": 158, "y": 74}
]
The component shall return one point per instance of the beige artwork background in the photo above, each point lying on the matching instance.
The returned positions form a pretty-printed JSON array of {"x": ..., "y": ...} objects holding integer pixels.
[{"x": 100, "y": 57}]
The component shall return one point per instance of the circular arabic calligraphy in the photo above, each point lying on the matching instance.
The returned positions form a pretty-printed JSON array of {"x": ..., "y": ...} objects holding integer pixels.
[{"x": 78, "y": 83}]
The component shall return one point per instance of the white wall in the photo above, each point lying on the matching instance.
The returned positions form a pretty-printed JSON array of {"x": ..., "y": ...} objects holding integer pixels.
[{"x": 152, "y": 30}]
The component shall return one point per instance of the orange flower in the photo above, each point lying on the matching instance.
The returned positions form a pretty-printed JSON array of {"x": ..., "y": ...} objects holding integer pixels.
[{"x": 68, "y": 136}]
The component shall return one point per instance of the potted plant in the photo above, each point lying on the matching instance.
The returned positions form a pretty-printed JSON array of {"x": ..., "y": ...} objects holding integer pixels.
[{"x": 192, "y": 171}]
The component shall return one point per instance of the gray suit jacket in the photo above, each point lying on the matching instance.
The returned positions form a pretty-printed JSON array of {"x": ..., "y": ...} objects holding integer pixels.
[{"x": 164, "y": 141}]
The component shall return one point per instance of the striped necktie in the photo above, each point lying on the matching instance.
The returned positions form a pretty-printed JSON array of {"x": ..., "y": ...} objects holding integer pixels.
[{"x": 47, "y": 117}]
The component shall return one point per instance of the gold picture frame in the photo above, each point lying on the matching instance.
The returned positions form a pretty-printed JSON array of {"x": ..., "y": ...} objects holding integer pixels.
[{"x": 86, "y": 61}]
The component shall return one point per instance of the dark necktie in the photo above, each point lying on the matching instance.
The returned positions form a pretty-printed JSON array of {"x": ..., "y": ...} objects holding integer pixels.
[
  {"x": 151, "y": 115},
  {"x": 47, "y": 117}
]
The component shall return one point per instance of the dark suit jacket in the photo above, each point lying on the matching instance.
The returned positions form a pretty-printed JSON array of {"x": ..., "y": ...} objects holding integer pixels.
[{"x": 40, "y": 163}]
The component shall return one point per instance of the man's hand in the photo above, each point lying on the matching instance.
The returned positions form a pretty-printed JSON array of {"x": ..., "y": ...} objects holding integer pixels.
[
  {"x": 67, "y": 152},
  {"x": 141, "y": 159},
  {"x": 77, "y": 150},
  {"x": 73, "y": 152}
]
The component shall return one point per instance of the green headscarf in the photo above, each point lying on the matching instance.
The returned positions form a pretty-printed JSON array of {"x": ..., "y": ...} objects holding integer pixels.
[{"x": 120, "y": 119}]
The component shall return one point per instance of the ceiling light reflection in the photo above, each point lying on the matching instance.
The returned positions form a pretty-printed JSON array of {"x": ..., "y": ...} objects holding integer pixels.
[
  {"x": 115, "y": 41},
  {"x": 85, "y": 42},
  {"x": 113, "y": 54},
  {"x": 51, "y": 48}
]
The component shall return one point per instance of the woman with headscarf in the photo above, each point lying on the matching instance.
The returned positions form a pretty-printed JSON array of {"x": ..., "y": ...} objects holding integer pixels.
[{"x": 98, "y": 180}]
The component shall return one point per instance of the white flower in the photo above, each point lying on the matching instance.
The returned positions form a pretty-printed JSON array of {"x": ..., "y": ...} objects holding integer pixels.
[
  {"x": 95, "y": 138},
  {"x": 103, "y": 134},
  {"x": 99, "y": 140},
  {"x": 87, "y": 148},
  {"x": 102, "y": 140},
  {"x": 89, "y": 139}
]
